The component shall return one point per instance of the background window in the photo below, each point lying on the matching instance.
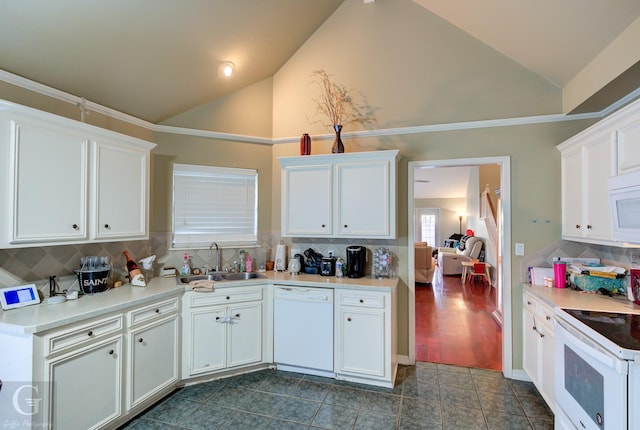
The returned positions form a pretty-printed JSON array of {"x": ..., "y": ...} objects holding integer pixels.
[
  {"x": 214, "y": 204},
  {"x": 426, "y": 229}
]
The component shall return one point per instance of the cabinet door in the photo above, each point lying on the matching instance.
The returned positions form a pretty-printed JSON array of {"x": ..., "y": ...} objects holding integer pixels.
[
  {"x": 153, "y": 361},
  {"x": 364, "y": 207},
  {"x": 207, "y": 340},
  {"x": 572, "y": 194},
  {"x": 121, "y": 199},
  {"x": 627, "y": 138},
  {"x": 530, "y": 351},
  {"x": 547, "y": 368},
  {"x": 48, "y": 183},
  {"x": 85, "y": 389},
  {"x": 597, "y": 167},
  {"x": 307, "y": 207},
  {"x": 361, "y": 341},
  {"x": 245, "y": 334}
]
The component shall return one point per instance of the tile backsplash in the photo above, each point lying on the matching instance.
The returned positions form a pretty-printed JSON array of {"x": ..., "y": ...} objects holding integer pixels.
[{"x": 36, "y": 264}]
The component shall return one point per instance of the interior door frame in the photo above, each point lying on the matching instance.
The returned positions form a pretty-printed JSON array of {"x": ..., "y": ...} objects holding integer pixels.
[{"x": 504, "y": 275}]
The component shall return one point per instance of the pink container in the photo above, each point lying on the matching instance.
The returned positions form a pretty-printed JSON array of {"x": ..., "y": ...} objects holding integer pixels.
[{"x": 560, "y": 274}]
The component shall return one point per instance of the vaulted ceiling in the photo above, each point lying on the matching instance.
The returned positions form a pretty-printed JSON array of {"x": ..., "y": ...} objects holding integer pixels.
[{"x": 154, "y": 59}]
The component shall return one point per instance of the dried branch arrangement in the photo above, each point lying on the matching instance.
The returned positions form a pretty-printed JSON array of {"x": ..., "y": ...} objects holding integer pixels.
[{"x": 336, "y": 103}]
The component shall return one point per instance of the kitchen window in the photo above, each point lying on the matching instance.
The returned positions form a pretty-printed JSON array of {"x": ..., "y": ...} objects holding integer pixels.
[{"x": 214, "y": 204}]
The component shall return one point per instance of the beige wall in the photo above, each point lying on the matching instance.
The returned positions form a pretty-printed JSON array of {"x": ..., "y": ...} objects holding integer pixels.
[{"x": 173, "y": 148}]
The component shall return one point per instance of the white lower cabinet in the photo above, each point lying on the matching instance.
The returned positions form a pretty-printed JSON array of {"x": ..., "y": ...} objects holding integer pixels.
[
  {"x": 224, "y": 329},
  {"x": 538, "y": 346},
  {"x": 83, "y": 367},
  {"x": 154, "y": 350},
  {"x": 365, "y": 337},
  {"x": 98, "y": 372}
]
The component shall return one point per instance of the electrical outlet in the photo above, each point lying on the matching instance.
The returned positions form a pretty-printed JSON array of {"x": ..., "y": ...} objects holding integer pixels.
[{"x": 519, "y": 248}]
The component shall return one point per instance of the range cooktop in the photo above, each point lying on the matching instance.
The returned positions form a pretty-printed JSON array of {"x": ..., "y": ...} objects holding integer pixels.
[{"x": 621, "y": 329}]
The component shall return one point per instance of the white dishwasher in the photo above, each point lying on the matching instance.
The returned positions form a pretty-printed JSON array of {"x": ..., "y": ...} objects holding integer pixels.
[{"x": 303, "y": 330}]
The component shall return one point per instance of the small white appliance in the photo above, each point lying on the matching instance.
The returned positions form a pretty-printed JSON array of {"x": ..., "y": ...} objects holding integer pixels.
[
  {"x": 303, "y": 330},
  {"x": 624, "y": 197},
  {"x": 17, "y": 297},
  {"x": 597, "y": 381}
]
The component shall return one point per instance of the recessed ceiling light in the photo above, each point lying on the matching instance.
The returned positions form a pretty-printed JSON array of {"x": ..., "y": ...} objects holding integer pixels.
[{"x": 226, "y": 69}]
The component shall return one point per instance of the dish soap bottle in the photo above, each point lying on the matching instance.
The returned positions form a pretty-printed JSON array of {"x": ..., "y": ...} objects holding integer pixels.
[
  {"x": 249, "y": 263},
  {"x": 185, "y": 269}
]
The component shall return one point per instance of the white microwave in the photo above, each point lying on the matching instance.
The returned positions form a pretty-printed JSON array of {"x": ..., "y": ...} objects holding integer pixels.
[{"x": 624, "y": 196}]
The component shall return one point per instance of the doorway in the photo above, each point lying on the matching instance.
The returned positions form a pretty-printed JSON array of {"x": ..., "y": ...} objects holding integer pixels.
[{"x": 503, "y": 267}]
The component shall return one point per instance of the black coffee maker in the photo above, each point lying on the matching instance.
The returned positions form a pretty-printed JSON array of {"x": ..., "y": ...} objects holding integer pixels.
[{"x": 356, "y": 261}]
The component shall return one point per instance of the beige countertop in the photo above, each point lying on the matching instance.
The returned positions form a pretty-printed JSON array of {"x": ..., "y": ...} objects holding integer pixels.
[
  {"x": 571, "y": 299},
  {"x": 42, "y": 317}
]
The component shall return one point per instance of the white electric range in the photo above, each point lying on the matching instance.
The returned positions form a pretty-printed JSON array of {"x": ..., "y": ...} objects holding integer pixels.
[{"x": 598, "y": 370}]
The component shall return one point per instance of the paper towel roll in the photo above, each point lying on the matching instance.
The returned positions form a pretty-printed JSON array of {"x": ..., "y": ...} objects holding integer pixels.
[{"x": 281, "y": 257}]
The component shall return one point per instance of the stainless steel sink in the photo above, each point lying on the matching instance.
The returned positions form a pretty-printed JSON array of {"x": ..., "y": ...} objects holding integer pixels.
[
  {"x": 242, "y": 276},
  {"x": 219, "y": 277}
]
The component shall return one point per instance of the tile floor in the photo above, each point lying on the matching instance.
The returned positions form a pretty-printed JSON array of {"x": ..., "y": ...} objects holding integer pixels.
[{"x": 426, "y": 396}]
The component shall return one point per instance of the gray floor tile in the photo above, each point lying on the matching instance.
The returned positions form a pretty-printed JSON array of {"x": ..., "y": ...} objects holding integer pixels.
[
  {"x": 311, "y": 390},
  {"x": 501, "y": 403},
  {"x": 419, "y": 424},
  {"x": 280, "y": 385},
  {"x": 147, "y": 424},
  {"x": 423, "y": 390},
  {"x": 426, "y": 396},
  {"x": 535, "y": 407},
  {"x": 238, "y": 420},
  {"x": 416, "y": 409},
  {"x": 382, "y": 402},
  {"x": 200, "y": 392},
  {"x": 524, "y": 388},
  {"x": 264, "y": 403},
  {"x": 335, "y": 417},
  {"x": 345, "y": 396},
  {"x": 299, "y": 410},
  {"x": 459, "y": 396},
  {"x": 173, "y": 410},
  {"x": 458, "y": 417},
  {"x": 207, "y": 417},
  {"x": 491, "y": 384},
  {"x": 368, "y": 420},
  {"x": 231, "y": 397},
  {"x": 503, "y": 421}
]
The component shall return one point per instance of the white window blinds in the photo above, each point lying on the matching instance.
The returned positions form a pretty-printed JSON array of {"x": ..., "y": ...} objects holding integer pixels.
[{"x": 214, "y": 204}]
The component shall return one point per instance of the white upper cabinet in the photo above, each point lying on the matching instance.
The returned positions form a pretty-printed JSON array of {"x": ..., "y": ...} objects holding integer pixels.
[
  {"x": 120, "y": 199},
  {"x": 627, "y": 136},
  {"x": 587, "y": 163},
  {"x": 47, "y": 182},
  {"x": 63, "y": 181},
  {"x": 606, "y": 149},
  {"x": 340, "y": 195}
]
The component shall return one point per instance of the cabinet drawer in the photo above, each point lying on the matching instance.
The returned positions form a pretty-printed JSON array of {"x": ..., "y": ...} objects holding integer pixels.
[
  {"x": 153, "y": 311},
  {"x": 234, "y": 295},
  {"x": 545, "y": 316},
  {"x": 362, "y": 300},
  {"x": 78, "y": 335}
]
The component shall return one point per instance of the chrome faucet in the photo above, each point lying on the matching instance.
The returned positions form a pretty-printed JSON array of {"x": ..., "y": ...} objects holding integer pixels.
[{"x": 217, "y": 268}]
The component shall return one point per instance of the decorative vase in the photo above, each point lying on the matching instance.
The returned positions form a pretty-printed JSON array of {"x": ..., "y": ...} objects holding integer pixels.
[
  {"x": 305, "y": 144},
  {"x": 338, "y": 147}
]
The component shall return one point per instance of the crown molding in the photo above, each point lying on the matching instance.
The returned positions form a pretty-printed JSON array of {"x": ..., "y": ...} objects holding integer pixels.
[{"x": 467, "y": 125}]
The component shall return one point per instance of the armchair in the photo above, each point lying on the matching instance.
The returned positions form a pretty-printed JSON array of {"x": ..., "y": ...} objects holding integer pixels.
[
  {"x": 424, "y": 263},
  {"x": 450, "y": 259}
]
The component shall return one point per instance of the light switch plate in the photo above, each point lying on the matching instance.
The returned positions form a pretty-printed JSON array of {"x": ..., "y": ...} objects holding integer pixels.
[{"x": 519, "y": 248}]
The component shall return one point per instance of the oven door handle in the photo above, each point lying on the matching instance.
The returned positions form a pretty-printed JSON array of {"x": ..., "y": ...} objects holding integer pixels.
[{"x": 585, "y": 344}]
